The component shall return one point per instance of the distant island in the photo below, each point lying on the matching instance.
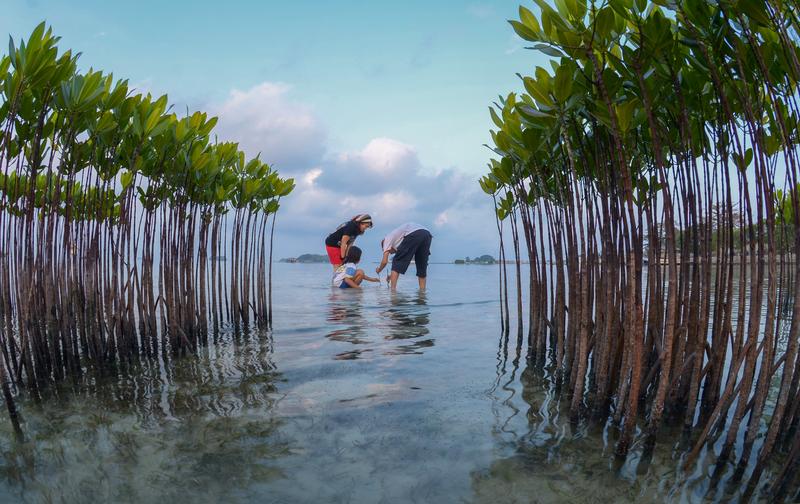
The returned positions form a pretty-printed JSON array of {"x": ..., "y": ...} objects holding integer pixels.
[
  {"x": 484, "y": 259},
  {"x": 306, "y": 259},
  {"x": 321, "y": 258}
]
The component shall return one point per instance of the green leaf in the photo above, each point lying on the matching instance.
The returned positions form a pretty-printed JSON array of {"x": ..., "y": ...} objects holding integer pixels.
[
  {"x": 106, "y": 122},
  {"x": 548, "y": 50},
  {"x": 529, "y": 20},
  {"x": 531, "y": 113},
  {"x": 12, "y": 51},
  {"x": 600, "y": 112},
  {"x": 538, "y": 91},
  {"x": 495, "y": 118},
  {"x": 272, "y": 207},
  {"x": 532, "y": 139},
  {"x": 208, "y": 126},
  {"x": 288, "y": 187},
  {"x": 576, "y": 8},
  {"x": 756, "y": 11},
  {"x": 125, "y": 179},
  {"x": 772, "y": 145},
  {"x": 625, "y": 113},
  {"x": 743, "y": 162},
  {"x": 604, "y": 22},
  {"x": 563, "y": 10},
  {"x": 488, "y": 185},
  {"x": 220, "y": 194},
  {"x": 562, "y": 84},
  {"x": 524, "y": 32}
]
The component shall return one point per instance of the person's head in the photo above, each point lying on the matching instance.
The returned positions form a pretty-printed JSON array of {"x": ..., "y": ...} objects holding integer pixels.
[
  {"x": 353, "y": 255},
  {"x": 364, "y": 222}
]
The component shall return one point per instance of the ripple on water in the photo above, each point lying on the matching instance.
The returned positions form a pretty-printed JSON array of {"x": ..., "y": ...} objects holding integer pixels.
[{"x": 356, "y": 397}]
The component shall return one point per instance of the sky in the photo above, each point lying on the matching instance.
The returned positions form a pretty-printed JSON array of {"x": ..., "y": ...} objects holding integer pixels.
[{"x": 373, "y": 107}]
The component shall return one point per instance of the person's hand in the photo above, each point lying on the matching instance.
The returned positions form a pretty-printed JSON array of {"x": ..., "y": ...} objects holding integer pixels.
[{"x": 378, "y": 270}]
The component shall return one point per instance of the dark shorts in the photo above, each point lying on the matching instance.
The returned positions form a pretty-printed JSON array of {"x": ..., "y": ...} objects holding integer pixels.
[{"x": 417, "y": 246}]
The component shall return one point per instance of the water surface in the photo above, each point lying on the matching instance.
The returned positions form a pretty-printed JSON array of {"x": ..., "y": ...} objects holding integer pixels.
[{"x": 356, "y": 396}]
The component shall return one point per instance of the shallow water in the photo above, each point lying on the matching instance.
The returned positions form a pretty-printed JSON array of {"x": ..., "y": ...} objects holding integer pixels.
[{"x": 357, "y": 396}]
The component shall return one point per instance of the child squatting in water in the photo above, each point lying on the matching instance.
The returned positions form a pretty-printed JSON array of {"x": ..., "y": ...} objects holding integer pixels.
[{"x": 347, "y": 275}]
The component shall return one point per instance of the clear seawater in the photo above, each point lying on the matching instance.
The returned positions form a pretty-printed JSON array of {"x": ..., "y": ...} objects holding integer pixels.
[{"x": 356, "y": 396}]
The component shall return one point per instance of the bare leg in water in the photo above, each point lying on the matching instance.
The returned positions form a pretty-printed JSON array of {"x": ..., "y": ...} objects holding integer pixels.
[{"x": 395, "y": 276}]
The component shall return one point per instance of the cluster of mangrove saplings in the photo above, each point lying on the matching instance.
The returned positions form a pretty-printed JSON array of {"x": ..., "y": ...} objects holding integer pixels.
[
  {"x": 649, "y": 177},
  {"x": 126, "y": 232}
]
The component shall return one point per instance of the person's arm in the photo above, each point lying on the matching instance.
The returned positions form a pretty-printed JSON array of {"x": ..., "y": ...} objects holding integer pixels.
[
  {"x": 344, "y": 245},
  {"x": 384, "y": 261},
  {"x": 371, "y": 279}
]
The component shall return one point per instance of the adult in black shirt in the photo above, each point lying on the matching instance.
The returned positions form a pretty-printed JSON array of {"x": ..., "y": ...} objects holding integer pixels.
[{"x": 337, "y": 243}]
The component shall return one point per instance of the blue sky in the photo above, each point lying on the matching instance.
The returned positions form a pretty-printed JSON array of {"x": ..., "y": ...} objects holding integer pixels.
[{"x": 374, "y": 107}]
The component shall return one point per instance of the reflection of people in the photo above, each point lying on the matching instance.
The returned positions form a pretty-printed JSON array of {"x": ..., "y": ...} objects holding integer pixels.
[
  {"x": 347, "y": 325},
  {"x": 347, "y": 276},
  {"x": 337, "y": 243},
  {"x": 409, "y": 241},
  {"x": 408, "y": 320}
]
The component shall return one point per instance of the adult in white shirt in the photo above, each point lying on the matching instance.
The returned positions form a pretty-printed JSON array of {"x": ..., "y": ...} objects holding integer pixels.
[{"x": 409, "y": 241}]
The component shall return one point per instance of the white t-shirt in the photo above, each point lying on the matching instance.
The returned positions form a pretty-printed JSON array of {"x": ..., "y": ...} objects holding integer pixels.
[
  {"x": 347, "y": 270},
  {"x": 393, "y": 239}
]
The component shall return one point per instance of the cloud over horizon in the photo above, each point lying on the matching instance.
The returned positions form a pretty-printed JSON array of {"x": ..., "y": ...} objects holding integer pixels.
[
  {"x": 385, "y": 178},
  {"x": 264, "y": 119}
]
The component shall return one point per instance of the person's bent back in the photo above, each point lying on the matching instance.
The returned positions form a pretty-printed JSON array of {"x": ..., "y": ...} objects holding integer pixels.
[{"x": 408, "y": 241}]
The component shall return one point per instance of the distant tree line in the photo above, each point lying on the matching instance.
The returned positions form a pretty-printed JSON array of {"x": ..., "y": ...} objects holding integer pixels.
[
  {"x": 484, "y": 259},
  {"x": 306, "y": 259}
]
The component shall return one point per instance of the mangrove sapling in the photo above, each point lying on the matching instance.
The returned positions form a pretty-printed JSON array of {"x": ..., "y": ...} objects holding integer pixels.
[
  {"x": 111, "y": 208},
  {"x": 669, "y": 126}
]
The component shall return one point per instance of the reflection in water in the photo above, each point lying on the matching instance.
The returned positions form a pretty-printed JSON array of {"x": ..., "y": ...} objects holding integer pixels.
[
  {"x": 400, "y": 328},
  {"x": 549, "y": 456},
  {"x": 154, "y": 434},
  {"x": 345, "y": 315},
  {"x": 407, "y": 322},
  {"x": 388, "y": 425}
]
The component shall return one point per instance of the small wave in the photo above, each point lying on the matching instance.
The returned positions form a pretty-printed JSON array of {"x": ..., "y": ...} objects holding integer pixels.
[
  {"x": 465, "y": 303},
  {"x": 302, "y": 330}
]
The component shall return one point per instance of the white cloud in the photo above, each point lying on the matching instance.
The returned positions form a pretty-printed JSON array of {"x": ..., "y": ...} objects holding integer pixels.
[
  {"x": 385, "y": 156},
  {"x": 442, "y": 219},
  {"x": 384, "y": 178},
  {"x": 480, "y": 10},
  {"x": 265, "y": 120},
  {"x": 515, "y": 43},
  {"x": 143, "y": 86},
  {"x": 382, "y": 165},
  {"x": 311, "y": 175}
]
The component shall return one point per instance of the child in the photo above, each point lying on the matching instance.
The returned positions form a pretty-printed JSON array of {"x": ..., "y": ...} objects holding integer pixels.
[{"x": 347, "y": 276}]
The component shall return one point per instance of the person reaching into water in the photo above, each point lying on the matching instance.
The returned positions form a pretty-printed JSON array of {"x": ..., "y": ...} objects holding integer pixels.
[
  {"x": 347, "y": 275},
  {"x": 409, "y": 241},
  {"x": 337, "y": 243}
]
